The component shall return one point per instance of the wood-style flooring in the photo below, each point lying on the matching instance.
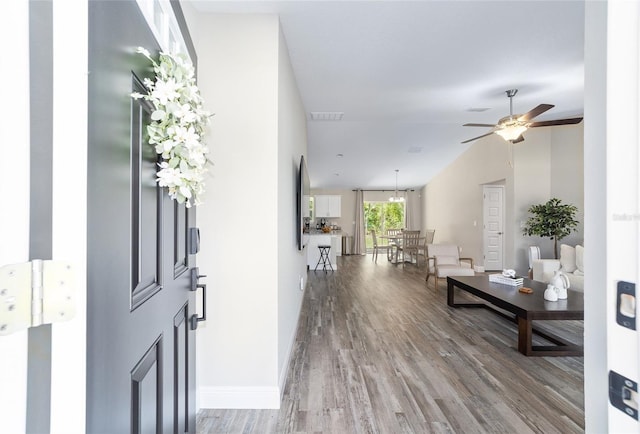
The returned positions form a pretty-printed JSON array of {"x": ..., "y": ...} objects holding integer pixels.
[{"x": 377, "y": 351}]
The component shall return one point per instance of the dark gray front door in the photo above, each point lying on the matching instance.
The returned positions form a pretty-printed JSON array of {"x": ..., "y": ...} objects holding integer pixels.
[{"x": 141, "y": 351}]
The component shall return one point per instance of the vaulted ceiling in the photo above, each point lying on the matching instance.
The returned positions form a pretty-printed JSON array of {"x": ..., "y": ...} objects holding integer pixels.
[{"x": 408, "y": 74}]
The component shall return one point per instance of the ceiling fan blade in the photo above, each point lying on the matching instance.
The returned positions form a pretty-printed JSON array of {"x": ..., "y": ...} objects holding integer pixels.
[
  {"x": 569, "y": 121},
  {"x": 519, "y": 139},
  {"x": 479, "y": 125},
  {"x": 535, "y": 112},
  {"x": 479, "y": 137}
]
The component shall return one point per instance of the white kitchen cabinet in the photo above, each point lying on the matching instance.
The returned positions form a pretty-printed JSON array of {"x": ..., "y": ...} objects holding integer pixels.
[{"x": 327, "y": 205}]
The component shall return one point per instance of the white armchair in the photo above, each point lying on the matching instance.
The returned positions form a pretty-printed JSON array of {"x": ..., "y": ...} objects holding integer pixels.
[
  {"x": 571, "y": 262},
  {"x": 444, "y": 260}
]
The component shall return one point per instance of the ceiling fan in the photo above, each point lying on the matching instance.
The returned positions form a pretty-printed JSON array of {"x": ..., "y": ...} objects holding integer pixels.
[{"x": 511, "y": 127}]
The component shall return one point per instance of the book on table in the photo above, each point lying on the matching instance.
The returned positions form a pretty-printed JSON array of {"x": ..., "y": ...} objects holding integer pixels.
[{"x": 512, "y": 281}]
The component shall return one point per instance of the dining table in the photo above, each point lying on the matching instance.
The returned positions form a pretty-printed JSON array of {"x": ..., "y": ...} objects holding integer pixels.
[
  {"x": 392, "y": 240},
  {"x": 395, "y": 240}
]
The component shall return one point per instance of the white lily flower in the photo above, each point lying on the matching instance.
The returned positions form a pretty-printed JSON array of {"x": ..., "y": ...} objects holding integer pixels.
[{"x": 177, "y": 124}]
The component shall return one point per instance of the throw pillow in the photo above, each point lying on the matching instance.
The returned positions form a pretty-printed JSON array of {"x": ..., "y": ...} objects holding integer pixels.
[
  {"x": 580, "y": 258},
  {"x": 567, "y": 258}
]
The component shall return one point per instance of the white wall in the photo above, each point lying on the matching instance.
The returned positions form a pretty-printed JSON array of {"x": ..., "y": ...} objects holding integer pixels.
[
  {"x": 452, "y": 201},
  {"x": 292, "y": 263},
  {"x": 567, "y": 163},
  {"x": 248, "y": 247},
  {"x": 529, "y": 171}
]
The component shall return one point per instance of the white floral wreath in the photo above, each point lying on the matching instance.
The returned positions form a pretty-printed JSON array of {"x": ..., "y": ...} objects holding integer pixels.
[{"x": 177, "y": 127}]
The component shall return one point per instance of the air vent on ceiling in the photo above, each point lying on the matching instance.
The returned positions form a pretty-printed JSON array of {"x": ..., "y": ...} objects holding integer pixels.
[
  {"x": 478, "y": 109},
  {"x": 415, "y": 149},
  {"x": 327, "y": 116}
]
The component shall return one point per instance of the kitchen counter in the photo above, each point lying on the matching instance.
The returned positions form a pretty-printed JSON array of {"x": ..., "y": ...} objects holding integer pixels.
[
  {"x": 319, "y": 232},
  {"x": 316, "y": 238}
]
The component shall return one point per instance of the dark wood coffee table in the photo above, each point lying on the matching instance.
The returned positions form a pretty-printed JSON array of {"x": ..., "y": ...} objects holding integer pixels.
[{"x": 526, "y": 308}]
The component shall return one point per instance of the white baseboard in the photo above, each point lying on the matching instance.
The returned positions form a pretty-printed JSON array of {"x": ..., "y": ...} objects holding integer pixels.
[
  {"x": 478, "y": 268},
  {"x": 239, "y": 397}
]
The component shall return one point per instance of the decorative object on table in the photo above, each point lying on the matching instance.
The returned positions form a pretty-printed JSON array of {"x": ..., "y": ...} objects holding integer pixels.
[
  {"x": 550, "y": 294},
  {"x": 552, "y": 219},
  {"x": 525, "y": 290},
  {"x": 508, "y": 272},
  {"x": 561, "y": 283},
  {"x": 177, "y": 127},
  {"x": 507, "y": 277}
]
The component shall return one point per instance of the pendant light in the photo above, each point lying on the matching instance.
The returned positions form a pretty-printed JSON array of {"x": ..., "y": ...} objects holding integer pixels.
[{"x": 396, "y": 198}]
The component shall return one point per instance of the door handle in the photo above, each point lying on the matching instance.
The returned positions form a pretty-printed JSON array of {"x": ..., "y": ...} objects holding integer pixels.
[
  {"x": 195, "y": 319},
  {"x": 195, "y": 277}
]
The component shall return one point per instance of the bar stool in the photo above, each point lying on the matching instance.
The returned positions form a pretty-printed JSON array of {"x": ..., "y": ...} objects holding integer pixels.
[{"x": 324, "y": 258}]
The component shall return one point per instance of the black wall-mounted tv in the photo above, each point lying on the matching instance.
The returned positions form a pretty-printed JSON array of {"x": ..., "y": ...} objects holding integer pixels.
[{"x": 303, "y": 199}]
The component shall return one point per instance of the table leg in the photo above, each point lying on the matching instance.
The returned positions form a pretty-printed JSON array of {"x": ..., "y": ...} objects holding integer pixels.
[
  {"x": 525, "y": 335},
  {"x": 449, "y": 291}
]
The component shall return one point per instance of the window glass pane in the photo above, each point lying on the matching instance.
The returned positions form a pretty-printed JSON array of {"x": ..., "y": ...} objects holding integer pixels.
[{"x": 381, "y": 216}]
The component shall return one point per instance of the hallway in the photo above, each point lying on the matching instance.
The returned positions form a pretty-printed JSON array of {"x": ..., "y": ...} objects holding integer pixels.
[{"x": 379, "y": 352}]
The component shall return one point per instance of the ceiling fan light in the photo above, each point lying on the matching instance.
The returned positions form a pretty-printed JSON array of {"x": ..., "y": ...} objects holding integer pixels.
[{"x": 511, "y": 132}]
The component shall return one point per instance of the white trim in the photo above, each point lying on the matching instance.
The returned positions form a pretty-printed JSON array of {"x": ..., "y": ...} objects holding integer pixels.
[
  {"x": 164, "y": 25},
  {"x": 15, "y": 190},
  {"x": 623, "y": 203},
  {"x": 69, "y": 209},
  {"x": 239, "y": 397},
  {"x": 292, "y": 341}
]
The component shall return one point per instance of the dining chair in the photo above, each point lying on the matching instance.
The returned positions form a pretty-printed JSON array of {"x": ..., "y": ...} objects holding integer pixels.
[
  {"x": 394, "y": 237},
  {"x": 427, "y": 239},
  {"x": 409, "y": 247},
  {"x": 377, "y": 247},
  {"x": 430, "y": 234}
]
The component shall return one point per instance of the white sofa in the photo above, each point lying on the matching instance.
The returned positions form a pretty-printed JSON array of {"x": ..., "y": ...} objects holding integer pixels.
[{"x": 571, "y": 262}]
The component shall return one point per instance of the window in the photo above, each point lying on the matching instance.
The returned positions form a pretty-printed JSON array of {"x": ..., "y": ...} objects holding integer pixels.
[{"x": 381, "y": 216}]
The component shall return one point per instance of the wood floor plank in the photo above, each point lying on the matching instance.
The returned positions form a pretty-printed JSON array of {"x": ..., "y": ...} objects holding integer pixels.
[{"x": 377, "y": 351}]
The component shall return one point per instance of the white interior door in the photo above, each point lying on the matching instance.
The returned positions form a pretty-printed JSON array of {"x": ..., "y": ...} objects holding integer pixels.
[{"x": 493, "y": 227}]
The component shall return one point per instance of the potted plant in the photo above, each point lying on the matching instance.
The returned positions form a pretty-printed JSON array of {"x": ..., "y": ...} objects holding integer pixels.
[{"x": 552, "y": 219}]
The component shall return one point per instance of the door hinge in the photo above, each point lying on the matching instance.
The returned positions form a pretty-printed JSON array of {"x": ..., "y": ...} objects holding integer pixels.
[{"x": 35, "y": 293}]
